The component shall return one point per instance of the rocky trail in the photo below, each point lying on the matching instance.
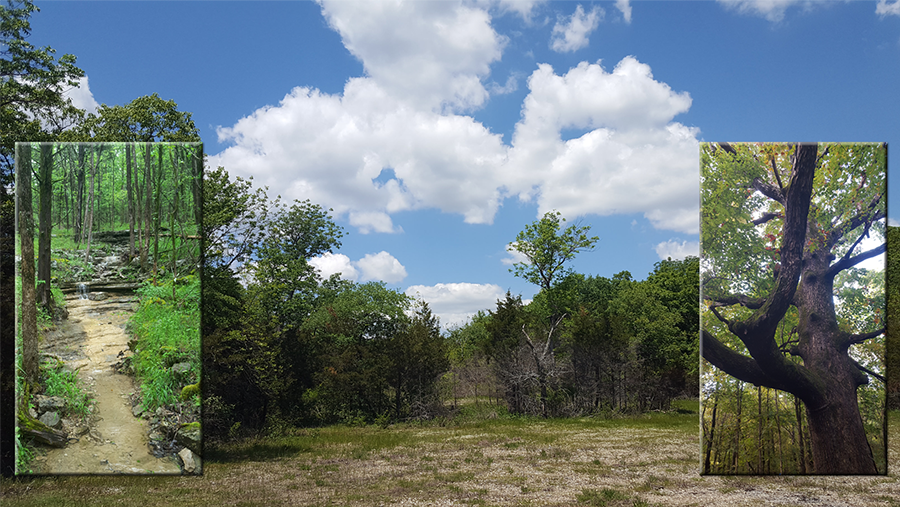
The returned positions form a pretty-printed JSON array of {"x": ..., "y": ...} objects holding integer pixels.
[{"x": 112, "y": 439}]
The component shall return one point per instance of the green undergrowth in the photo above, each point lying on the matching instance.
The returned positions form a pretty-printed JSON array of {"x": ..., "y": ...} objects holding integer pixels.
[
  {"x": 167, "y": 332},
  {"x": 63, "y": 382}
]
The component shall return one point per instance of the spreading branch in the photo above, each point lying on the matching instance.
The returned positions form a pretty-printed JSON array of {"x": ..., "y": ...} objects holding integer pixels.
[
  {"x": 768, "y": 190},
  {"x": 735, "y": 364},
  {"x": 766, "y": 217},
  {"x": 856, "y": 339},
  {"x": 870, "y": 372},
  {"x": 845, "y": 263},
  {"x": 736, "y": 299}
]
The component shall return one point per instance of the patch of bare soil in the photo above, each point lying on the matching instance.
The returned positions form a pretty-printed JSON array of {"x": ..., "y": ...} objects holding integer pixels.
[{"x": 113, "y": 441}]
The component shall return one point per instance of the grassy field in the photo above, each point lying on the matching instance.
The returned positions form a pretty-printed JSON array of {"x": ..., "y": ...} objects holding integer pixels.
[{"x": 637, "y": 461}]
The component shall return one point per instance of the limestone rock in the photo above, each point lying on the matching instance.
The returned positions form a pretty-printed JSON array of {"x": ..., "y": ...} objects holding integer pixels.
[
  {"x": 189, "y": 435},
  {"x": 49, "y": 403},
  {"x": 181, "y": 368},
  {"x": 189, "y": 461},
  {"x": 51, "y": 419}
]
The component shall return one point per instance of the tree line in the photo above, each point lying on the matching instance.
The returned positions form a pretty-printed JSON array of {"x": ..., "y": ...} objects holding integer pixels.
[{"x": 283, "y": 346}]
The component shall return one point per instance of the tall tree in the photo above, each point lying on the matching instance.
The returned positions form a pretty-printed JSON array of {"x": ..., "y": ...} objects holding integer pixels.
[
  {"x": 45, "y": 226},
  {"x": 26, "y": 236},
  {"x": 547, "y": 250},
  {"x": 32, "y": 82},
  {"x": 779, "y": 223}
]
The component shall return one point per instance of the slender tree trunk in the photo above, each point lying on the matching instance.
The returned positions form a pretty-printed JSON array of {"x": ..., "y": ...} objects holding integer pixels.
[
  {"x": 129, "y": 147},
  {"x": 90, "y": 214},
  {"x": 737, "y": 434},
  {"x": 79, "y": 216},
  {"x": 798, "y": 412},
  {"x": 147, "y": 196},
  {"x": 45, "y": 227},
  {"x": 780, "y": 443},
  {"x": 712, "y": 433},
  {"x": 159, "y": 176},
  {"x": 25, "y": 215}
]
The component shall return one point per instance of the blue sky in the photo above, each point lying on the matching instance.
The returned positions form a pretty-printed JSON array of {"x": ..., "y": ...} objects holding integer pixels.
[{"x": 438, "y": 130}]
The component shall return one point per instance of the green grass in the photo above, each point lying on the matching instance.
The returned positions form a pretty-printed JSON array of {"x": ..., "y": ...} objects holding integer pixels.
[
  {"x": 167, "y": 328},
  {"x": 59, "y": 381},
  {"x": 461, "y": 463}
]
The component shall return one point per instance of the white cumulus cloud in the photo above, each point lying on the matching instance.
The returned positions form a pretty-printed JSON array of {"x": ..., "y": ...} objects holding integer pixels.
[
  {"x": 455, "y": 303},
  {"x": 572, "y": 35},
  {"x": 677, "y": 250},
  {"x": 636, "y": 159},
  {"x": 381, "y": 266},
  {"x": 81, "y": 96},
  {"x": 329, "y": 264},
  {"x": 625, "y": 8},
  {"x": 433, "y": 53},
  {"x": 405, "y": 116},
  {"x": 884, "y": 8},
  {"x": 772, "y": 10}
]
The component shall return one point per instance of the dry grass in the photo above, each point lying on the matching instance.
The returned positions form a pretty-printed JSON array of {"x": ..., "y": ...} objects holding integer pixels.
[{"x": 629, "y": 462}]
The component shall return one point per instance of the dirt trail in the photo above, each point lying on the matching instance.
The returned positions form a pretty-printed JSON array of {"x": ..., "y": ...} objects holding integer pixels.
[{"x": 116, "y": 441}]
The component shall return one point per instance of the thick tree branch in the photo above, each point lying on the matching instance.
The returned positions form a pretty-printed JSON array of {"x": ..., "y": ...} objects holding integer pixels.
[
  {"x": 737, "y": 365},
  {"x": 870, "y": 372},
  {"x": 845, "y": 263},
  {"x": 765, "y": 218},
  {"x": 797, "y": 203},
  {"x": 735, "y": 299},
  {"x": 855, "y": 339},
  {"x": 768, "y": 190}
]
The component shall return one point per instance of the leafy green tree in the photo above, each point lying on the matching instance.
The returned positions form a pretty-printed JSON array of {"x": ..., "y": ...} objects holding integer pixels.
[
  {"x": 417, "y": 358},
  {"x": 234, "y": 219},
  {"x": 32, "y": 82},
  {"x": 779, "y": 223},
  {"x": 547, "y": 250},
  {"x": 146, "y": 119},
  {"x": 285, "y": 282}
]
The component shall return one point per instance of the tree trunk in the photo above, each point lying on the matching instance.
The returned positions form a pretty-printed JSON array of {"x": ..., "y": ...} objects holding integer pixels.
[
  {"x": 147, "y": 195},
  {"x": 79, "y": 207},
  {"x": 45, "y": 226},
  {"x": 26, "y": 234},
  {"x": 712, "y": 433},
  {"x": 90, "y": 214},
  {"x": 130, "y": 196}
]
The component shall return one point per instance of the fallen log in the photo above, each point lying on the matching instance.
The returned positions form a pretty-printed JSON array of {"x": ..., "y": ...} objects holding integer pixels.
[{"x": 29, "y": 427}]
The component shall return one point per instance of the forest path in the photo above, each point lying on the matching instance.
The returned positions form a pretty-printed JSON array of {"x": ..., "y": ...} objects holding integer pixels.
[{"x": 116, "y": 441}]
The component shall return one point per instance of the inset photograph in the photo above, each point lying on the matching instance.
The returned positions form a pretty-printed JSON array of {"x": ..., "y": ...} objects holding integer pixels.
[
  {"x": 108, "y": 308},
  {"x": 792, "y": 272}
]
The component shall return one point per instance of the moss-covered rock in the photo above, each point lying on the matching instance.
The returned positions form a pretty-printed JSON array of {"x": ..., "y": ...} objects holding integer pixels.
[{"x": 189, "y": 391}]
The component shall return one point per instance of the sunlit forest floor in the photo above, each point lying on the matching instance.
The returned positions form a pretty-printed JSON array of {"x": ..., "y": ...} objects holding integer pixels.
[{"x": 643, "y": 460}]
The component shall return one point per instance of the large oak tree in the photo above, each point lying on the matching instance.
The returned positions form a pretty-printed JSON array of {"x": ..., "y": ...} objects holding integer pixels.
[{"x": 779, "y": 223}]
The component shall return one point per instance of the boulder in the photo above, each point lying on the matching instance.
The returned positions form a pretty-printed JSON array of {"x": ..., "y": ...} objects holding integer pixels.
[
  {"x": 51, "y": 419},
  {"x": 189, "y": 435},
  {"x": 49, "y": 403},
  {"x": 181, "y": 368},
  {"x": 189, "y": 461}
]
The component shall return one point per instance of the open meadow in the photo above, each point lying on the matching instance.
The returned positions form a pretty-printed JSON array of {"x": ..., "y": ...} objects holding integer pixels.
[{"x": 473, "y": 459}]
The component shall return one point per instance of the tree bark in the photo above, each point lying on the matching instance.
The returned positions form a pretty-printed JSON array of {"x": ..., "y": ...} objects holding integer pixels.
[
  {"x": 130, "y": 196},
  {"x": 45, "y": 226},
  {"x": 26, "y": 235}
]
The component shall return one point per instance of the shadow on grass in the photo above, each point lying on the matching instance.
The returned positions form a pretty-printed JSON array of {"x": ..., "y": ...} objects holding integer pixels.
[{"x": 257, "y": 449}]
